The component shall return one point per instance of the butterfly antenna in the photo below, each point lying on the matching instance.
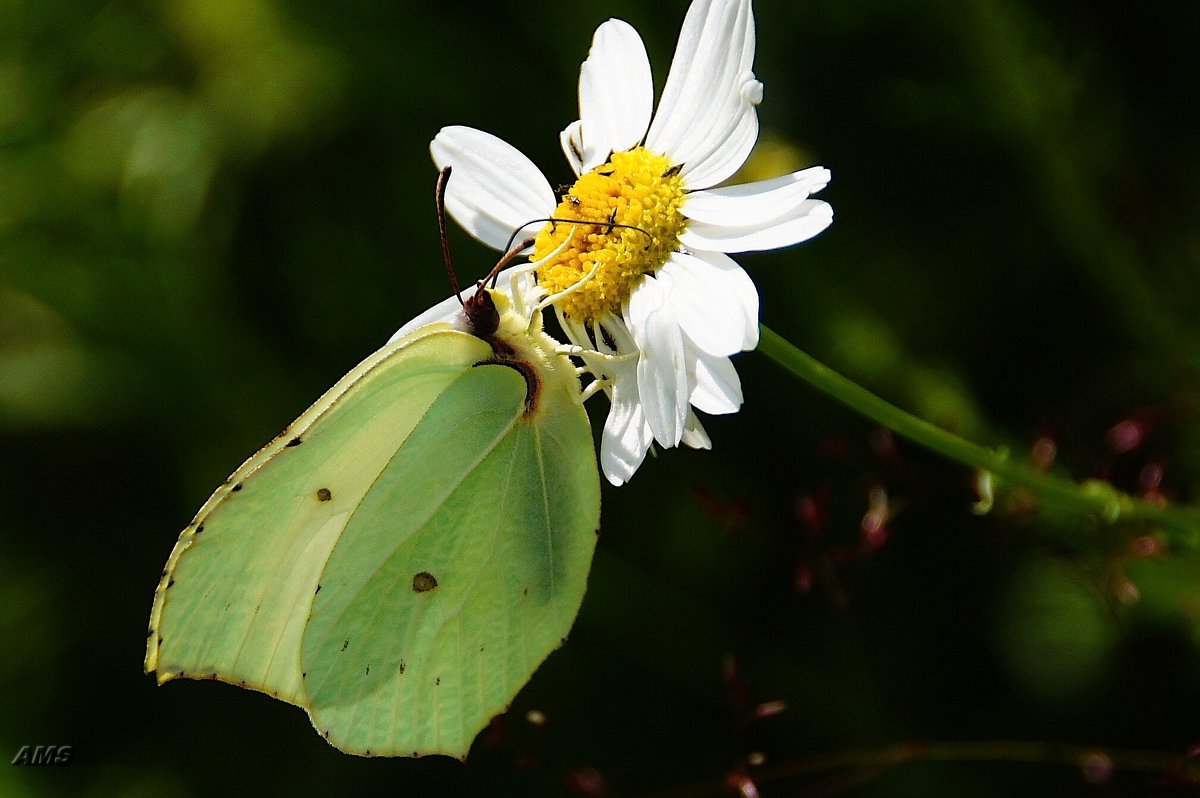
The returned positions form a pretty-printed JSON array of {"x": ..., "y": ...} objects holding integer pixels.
[
  {"x": 554, "y": 220},
  {"x": 440, "y": 200},
  {"x": 513, "y": 252}
]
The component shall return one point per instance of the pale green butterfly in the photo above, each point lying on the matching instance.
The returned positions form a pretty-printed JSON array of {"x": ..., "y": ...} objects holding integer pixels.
[{"x": 405, "y": 554}]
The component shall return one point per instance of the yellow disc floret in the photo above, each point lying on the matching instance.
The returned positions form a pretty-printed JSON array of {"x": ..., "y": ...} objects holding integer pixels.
[{"x": 636, "y": 188}]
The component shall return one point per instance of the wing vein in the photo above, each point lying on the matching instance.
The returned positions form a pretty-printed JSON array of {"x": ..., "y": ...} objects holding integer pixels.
[
  {"x": 416, "y": 528},
  {"x": 537, "y": 441}
]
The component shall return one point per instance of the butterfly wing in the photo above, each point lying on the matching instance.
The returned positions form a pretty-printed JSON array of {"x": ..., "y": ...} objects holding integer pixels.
[
  {"x": 457, "y": 575},
  {"x": 235, "y": 595},
  {"x": 401, "y": 559}
]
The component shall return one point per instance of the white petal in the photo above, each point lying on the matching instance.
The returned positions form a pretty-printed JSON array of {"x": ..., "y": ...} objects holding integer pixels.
[
  {"x": 625, "y": 440},
  {"x": 494, "y": 189},
  {"x": 449, "y": 309},
  {"x": 707, "y": 105},
  {"x": 571, "y": 140},
  {"x": 662, "y": 366},
  {"x": 627, "y": 436},
  {"x": 760, "y": 202},
  {"x": 694, "y": 434},
  {"x": 805, "y": 221},
  {"x": 718, "y": 390},
  {"x": 731, "y": 147},
  {"x": 710, "y": 307},
  {"x": 723, "y": 317},
  {"x": 616, "y": 92}
]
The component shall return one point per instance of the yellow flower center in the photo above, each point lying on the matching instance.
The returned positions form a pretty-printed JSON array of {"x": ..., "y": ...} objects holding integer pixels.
[{"x": 636, "y": 188}]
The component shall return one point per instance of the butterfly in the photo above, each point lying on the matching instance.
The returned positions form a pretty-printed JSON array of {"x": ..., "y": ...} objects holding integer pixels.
[{"x": 405, "y": 554}]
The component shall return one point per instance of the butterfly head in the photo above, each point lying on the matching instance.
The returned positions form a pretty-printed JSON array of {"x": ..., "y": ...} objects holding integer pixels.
[{"x": 483, "y": 317}]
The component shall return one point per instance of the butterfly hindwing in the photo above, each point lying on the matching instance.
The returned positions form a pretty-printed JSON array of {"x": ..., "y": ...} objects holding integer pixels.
[{"x": 430, "y": 629}]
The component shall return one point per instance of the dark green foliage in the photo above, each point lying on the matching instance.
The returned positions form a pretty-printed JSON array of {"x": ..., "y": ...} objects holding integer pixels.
[{"x": 210, "y": 211}]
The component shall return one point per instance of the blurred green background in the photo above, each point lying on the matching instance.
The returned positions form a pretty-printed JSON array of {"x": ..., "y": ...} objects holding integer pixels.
[{"x": 211, "y": 209}]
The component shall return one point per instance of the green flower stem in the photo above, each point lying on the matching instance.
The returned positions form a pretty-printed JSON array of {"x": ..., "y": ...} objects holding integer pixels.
[{"x": 1090, "y": 499}]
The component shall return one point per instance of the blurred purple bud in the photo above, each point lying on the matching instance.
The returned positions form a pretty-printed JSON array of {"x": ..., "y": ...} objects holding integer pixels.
[
  {"x": 587, "y": 781},
  {"x": 1097, "y": 768},
  {"x": 1043, "y": 453},
  {"x": 1151, "y": 477},
  {"x": 768, "y": 708},
  {"x": 1148, "y": 545},
  {"x": 1126, "y": 436},
  {"x": 744, "y": 785},
  {"x": 1127, "y": 592}
]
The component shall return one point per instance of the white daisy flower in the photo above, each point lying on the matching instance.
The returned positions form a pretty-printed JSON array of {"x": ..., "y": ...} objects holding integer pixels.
[{"x": 662, "y": 306}]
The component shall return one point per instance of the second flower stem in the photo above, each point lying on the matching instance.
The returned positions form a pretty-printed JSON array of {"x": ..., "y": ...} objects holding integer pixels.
[{"x": 1092, "y": 498}]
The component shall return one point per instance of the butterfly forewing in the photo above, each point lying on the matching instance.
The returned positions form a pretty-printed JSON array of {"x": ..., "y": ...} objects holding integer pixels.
[{"x": 233, "y": 602}]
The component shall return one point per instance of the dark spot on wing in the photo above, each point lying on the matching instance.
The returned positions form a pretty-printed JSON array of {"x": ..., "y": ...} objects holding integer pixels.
[
  {"x": 402, "y": 666},
  {"x": 318, "y": 590},
  {"x": 294, "y": 442},
  {"x": 169, "y": 584},
  {"x": 438, "y": 680},
  {"x": 236, "y": 487},
  {"x": 368, "y": 673},
  {"x": 597, "y": 530},
  {"x": 324, "y": 494},
  {"x": 199, "y": 529},
  {"x": 424, "y": 582},
  {"x": 526, "y": 593},
  {"x": 346, "y": 644}
]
